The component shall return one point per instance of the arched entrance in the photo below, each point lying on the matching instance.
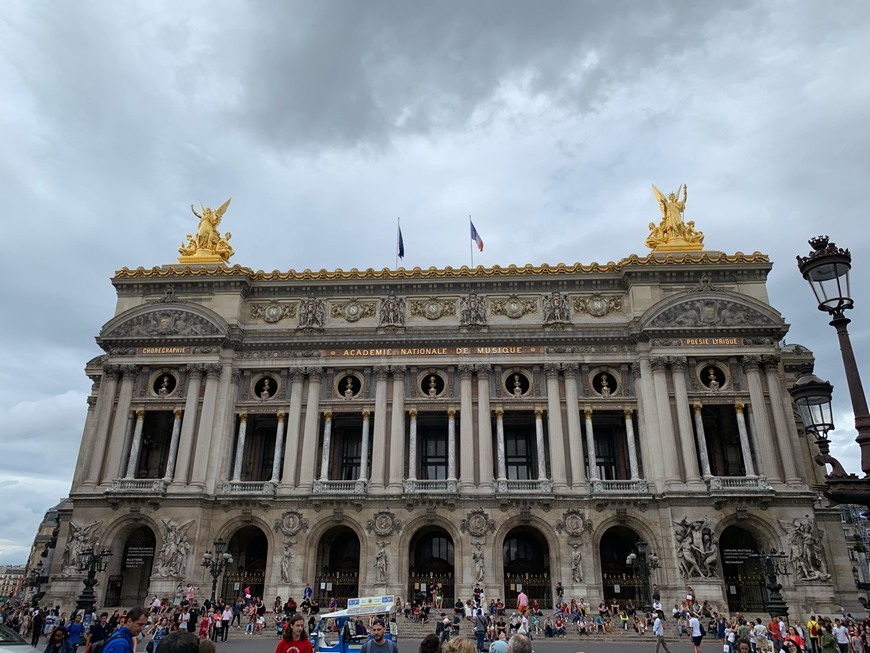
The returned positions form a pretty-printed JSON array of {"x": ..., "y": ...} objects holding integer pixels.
[
  {"x": 745, "y": 584},
  {"x": 130, "y": 568},
  {"x": 526, "y": 562},
  {"x": 431, "y": 555},
  {"x": 250, "y": 550},
  {"x": 337, "y": 574},
  {"x": 619, "y": 580}
]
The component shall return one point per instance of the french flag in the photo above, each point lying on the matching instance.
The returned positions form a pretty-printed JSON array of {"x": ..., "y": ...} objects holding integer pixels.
[{"x": 476, "y": 237}]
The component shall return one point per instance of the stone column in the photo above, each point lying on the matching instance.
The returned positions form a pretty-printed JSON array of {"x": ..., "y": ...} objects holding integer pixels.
[
  {"x": 279, "y": 449},
  {"x": 364, "y": 448},
  {"x": 767, "y": 451},
  {"x": 311, "y": 432},
  {"x": 554, "y": 423},
  {"x": 223, "y": 428},
  {"x": 119, "y": 425},
  {"x": 744, "y": 441},
  {"x": 668, "y": 439},
  {"x": 240, "y": 447},
  {"x": 379, "y": 435},
  {"x": 105, "y": 401},
  {"x": 466, "y": 431},
  {"x": 451, "y": 444},
  {"x": 133, "y": 461},
  {"x": 499, "y": 442},
  {"x": 87, "y": 442},
  {"x": 590, "y": 446},
  {"x": 205, "y": 432},
  {"x": 684, "y": 422},
  {"x": 173, "y": 445},
  {"x": 327, "y": 445},
  {"x": 121, "y": 472},
  {"x": 294, "y": 417},
  {"x": 397, "y": 433},
  {"x": 785, "y": 445},
  {"x": 484, "y": 429},
  {"x": 629, "y": 440},
  {"x": 412, "y": 446},
  {"x": 647, "y": 422},
  {"x": 702, "y": 442},
  {"x": 539, "y": 441},
  {"x": 188, "y": 424},
  {"x": 575, "y": 435}
]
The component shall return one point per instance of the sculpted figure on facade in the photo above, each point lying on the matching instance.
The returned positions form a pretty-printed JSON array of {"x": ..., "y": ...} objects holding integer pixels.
[
  {"x": 208, "y": 241},
  {"x": 392, "y": 312},
  {"x": 477, "y": 557},
  {"x": 80, "y": 539},
  {"x": 171, "y": 560},
  {"x": 697, "y": 552},
  {"x": 576, "y": 563},
  {"x": 287, "y": 558},
  {"x": 805, "y": 549},
  {"x": 555, "y": 309},
  {"x": 472, "y": 311},
  {"x": 381, "y": 562},
  {"x": 311, "y": 313}
]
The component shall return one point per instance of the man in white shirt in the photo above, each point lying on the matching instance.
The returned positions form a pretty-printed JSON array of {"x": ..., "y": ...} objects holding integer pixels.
[
  {"x": 659, "y": 632},
  {"x": 761, "y": 635},
  {"x": 842, "y": 636},
  {"x": 695, "y": 632}
]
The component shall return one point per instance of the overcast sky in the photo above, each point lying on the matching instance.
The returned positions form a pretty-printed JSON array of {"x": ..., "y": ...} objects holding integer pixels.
[{"x": 325, "y": 121}]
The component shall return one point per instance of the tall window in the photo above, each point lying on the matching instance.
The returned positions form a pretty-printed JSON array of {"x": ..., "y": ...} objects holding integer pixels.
[
  {"x": 351, "y": 449},
  {"x": 519, "y": 450},
  {"x": 433, "y": 447}
]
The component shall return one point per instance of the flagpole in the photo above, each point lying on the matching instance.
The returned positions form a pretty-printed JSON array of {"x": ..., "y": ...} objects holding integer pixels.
[
  {"x": 470, "y": 243},
  {"x": 398, "y": 232}
]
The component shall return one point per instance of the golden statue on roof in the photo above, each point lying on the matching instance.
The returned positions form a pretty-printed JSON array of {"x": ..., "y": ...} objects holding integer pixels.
[
  {"x": 672, "y": 234},
  {"x": 207, "y": 246}
]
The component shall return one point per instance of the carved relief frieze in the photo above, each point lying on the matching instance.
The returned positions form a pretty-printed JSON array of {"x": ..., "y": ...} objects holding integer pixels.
[
  {"x": 574, "y": 523},
  {"x": 383, "y": 523},
  {"x": 166, "y": 322},
  {"x": 514, "y": 307},
  {"x": 433, "y": 308},
  {"x": 711, "y": 312},
  {"x": 477, "y": 523},
  {"x": 472, "y": 312},
  {"x": 311, "y": 314},
  {"x": 351, "y": 311},
  {"x": 273, "y": 312},
  {"x": 392, "y": 312},
  {"x": 597, "y": 305}
]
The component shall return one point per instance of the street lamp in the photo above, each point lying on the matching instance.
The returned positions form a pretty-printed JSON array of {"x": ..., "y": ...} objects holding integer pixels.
[
  {"x": 216, "y": 564},
  {"x": 643, "y": 565},
  {"x": 35, "y": 579},
  {"x": 91, "y": 562},
  {"x": 775, "y": 564},
  {"x": 826, "y": 269}
]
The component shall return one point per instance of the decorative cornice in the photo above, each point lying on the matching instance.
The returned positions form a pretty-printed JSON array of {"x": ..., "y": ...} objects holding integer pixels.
[{"x": 651, "y": 260}]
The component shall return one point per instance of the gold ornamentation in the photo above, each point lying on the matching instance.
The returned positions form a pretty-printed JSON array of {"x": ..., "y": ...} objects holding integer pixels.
[
  {"x": 672, "y": 234},
  {"x": 352, "y": 310},
  {"x": 514, "y": 307},
  {"x": 597, "y": 306},
  {"x": 433, "y": 308},
  {"x": 208, "y": 246},
  {"x": 272, "y": 312}
]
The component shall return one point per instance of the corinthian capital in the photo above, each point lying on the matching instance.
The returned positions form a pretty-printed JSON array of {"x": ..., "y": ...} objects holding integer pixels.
[
  {"x": 659, "y": 363},
  {"x": 552, "y": 370},
  {"x": 751, "y": 363}
]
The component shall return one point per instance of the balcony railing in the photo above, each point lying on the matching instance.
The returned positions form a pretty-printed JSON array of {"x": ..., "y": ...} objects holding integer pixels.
[
  {"x": 249, "y": 488},
  {"x": 619, "y": 486},
  {"x": 528, "y": 486},
  {"x": 418, "y": 486},
  {"x": 138, "y": 485},
  {"x": 730, "y": 483},
  {"x": 357, "y": 486}
]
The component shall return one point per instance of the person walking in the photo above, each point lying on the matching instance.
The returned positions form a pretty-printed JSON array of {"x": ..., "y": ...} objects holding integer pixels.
[
  {"x": 659, "y": 632},
  {"x": 695, "y": 632}
]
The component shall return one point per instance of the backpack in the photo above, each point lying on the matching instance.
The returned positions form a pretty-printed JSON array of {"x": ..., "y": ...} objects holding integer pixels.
[
  {"x": 97, "y": 647},
  {"x": 814, "y": 629}
]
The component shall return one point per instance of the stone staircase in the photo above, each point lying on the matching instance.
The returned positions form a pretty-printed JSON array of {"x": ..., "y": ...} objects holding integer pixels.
[{"x": 411, "y": 631}]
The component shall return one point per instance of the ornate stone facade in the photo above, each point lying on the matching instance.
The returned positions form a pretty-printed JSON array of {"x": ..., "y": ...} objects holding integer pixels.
[{"x": 397, "y": 431}]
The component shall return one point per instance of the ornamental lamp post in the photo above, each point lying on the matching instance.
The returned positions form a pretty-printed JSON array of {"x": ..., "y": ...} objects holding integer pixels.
[
  {"x": 216, "y": 564},
  {"x": 827, "y": 269},
  {"x": 775, "y": 564},
  {"x": 644, "y": 565},
  {"x": 90, "y": 561}
]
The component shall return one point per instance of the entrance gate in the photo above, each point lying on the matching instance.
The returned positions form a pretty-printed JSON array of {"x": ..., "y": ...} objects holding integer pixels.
[{"x": 742, "y": 569}]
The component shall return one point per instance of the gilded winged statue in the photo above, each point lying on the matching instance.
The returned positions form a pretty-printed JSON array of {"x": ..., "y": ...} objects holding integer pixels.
[
  {"x": 673, "y": 234},
  {"x": 207, "y": 246}
]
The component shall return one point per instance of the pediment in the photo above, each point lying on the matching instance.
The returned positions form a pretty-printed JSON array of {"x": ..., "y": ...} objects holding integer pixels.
[
  {"x": 159, "y": 321},
  {"x": 713, "y": 309}
]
